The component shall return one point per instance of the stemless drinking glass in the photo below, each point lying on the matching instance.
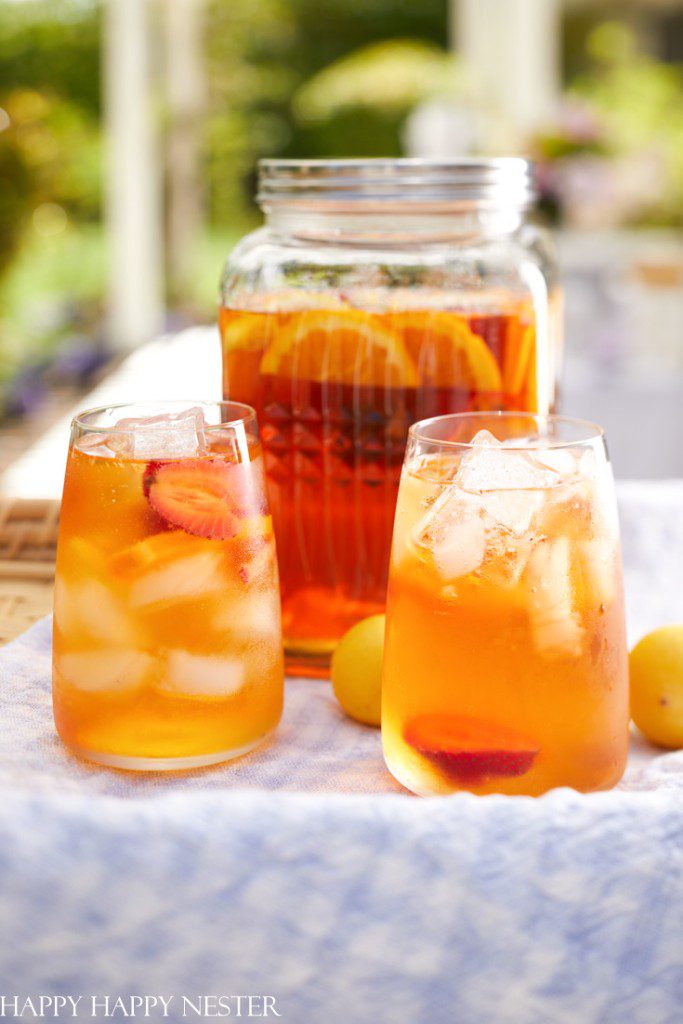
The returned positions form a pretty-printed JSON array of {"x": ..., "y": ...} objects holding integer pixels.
[
  {"x": 167, "y": 638},
  {"x": 505, "y": 665}
]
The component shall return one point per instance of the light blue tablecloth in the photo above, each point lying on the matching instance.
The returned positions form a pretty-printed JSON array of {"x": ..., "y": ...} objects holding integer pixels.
[{"x": 305, "y": 873}]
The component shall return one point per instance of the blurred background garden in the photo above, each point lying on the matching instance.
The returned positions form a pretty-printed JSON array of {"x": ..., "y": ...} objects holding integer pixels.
[{"x": 130, "y": 132}]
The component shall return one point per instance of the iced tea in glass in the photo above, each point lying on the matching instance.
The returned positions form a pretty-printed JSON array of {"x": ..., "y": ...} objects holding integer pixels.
[
  {"x": 505, "y": 664},
  {"x": 167, "y": 637}
]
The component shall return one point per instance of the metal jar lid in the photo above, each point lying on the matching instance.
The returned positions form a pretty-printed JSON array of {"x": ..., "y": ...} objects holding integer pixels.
[{"x": 497, "y": 182}]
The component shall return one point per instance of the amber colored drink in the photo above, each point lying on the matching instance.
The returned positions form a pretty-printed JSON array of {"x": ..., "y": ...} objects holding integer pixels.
[
  {"x": 336, "y": 390},
  {"x": 167, "y": 641},
  {"x": 505, "y": 664}
]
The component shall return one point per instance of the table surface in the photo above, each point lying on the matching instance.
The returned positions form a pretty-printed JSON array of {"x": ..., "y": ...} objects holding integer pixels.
[
  {"x": 305, "y": 872},
  {"x": 316, "y": 748}
]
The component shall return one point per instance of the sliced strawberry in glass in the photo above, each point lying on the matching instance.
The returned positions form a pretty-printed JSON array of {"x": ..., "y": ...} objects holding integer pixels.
[
  {"x": 204, "y": 497},
  {"x": 469, "y": 750},
  {"x": 149, "y": 476}
]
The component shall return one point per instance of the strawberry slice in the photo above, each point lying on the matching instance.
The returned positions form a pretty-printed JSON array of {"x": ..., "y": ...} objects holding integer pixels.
[
  {"x": 149, "y": 476},
  {"x": 204, "y": 497},
  {"x": 468, "y": 750}
]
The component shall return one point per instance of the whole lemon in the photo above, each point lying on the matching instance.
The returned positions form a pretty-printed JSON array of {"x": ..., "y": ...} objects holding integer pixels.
[
  {"x": 656, "y": 676},
  {"x": 357, "y": 670}
]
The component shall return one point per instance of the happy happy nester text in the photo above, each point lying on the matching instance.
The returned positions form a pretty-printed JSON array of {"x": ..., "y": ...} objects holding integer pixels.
[{"x": 37, "y": 1007}]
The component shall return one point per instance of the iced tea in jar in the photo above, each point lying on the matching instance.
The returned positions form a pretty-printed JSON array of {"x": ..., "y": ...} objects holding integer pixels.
[{"x": 379, "y": 292}]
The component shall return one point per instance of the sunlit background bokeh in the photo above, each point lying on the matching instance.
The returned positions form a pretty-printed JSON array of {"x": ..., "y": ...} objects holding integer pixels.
[{"x": 130, "y": 132}]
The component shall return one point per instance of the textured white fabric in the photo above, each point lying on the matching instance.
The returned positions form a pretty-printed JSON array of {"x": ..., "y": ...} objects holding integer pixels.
[
  {"x": 316, "y": 749},
  {"x": 305, "y": 872}
]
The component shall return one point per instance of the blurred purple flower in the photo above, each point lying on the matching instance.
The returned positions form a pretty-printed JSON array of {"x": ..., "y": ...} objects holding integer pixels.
[
  {"x": 25, "y": 393},
  {"x": 78, "y": 358}
]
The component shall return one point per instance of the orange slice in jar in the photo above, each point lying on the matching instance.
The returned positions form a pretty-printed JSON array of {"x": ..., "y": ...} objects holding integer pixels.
[
  {"x": 446, "y": 351},
  {"x": 518, "y": 360},
  {"x": 346, "y": 346},
  {"x": 250, "y": 328},
  {"x": 246, "y": 331}
]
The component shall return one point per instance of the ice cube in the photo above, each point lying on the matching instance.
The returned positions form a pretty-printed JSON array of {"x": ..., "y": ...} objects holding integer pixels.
[
  {"x": 106, "y": 446},
  {"x": 100, "y": 614},
  {"x": 563, "y": 461},
  {"x": 171, "y": 435},
  {"x": 511, "y": 483},
  {"x": 64, "y": 619},
  {"x": 193, "y": 576},
  {"x": 99, "y": 671},
  {"x": 254, "y": 616},
  {"x": 200, "y": 675},
  {"x": 492, "y": 466},
  {"x": 605, "y": 513},
  {"x": 259, "y": 566},
  {"x": 462, "y": 549},
  {"x": 598, "y": 559},
  {"x": 507, "y": 558},
  {"x": 555, "y": 624},
  {"x": 454, "y": 531}
]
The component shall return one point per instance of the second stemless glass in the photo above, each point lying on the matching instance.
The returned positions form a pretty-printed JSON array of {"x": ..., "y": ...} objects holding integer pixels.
[
  {"x": 506, "y": 662},
  {"x": 167, "y": 638}
]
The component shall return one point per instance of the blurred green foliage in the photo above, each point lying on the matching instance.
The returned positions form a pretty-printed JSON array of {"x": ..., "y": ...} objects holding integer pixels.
[
  {"x": 51, "y": 251},
  {"x": 623, "y": 124},
  {"x": 640, "y": 103},
  {"x": 15, "y": 184},
  {"x": 392, "y": 76},
  {"x": 60, "y": 148},
  {"x": 53, "y": 46},
  {"x": 364, "y": 97},
  {"x": 260, "y": 55},
  {"x": 49, "y": 118}
]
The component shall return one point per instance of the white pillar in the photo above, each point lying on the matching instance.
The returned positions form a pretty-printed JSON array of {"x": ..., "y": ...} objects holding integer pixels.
[
  {"x": 134, "y": 208},
  {"x": 185, "y": 93},
  {"x": 510, "y": 50}
]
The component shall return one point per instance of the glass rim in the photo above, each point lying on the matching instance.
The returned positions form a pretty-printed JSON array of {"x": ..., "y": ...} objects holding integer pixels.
[
  {"x": 419, "y": 431},
  {"x": 247, "y": 414}
]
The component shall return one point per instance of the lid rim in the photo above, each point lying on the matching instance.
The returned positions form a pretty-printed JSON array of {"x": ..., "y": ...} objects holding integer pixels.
[{"x": 497, "y": 181}]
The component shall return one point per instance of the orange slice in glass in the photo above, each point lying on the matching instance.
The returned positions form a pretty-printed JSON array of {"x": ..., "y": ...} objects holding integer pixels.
[
  {"x": 446, "y": 352},
  {"x": 346, "y": 346}
]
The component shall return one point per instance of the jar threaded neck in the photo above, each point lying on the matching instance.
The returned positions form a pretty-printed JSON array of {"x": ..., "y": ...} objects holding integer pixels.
[{"x": 496, "y": 182}]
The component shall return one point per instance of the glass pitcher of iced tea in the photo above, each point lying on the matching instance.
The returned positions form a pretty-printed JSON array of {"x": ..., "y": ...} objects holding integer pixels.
[{"x": 378, "y": 293}]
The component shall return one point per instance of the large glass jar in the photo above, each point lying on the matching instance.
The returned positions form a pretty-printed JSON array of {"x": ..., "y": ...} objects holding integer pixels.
[{"x": 378, "y": 292}]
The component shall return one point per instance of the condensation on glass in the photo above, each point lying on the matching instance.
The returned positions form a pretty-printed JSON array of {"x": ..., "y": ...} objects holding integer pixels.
[{"x": 378, "y": 293}]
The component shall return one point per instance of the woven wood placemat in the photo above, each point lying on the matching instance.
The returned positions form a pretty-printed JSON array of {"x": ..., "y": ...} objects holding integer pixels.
[{"x": 28, "y": 547}]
